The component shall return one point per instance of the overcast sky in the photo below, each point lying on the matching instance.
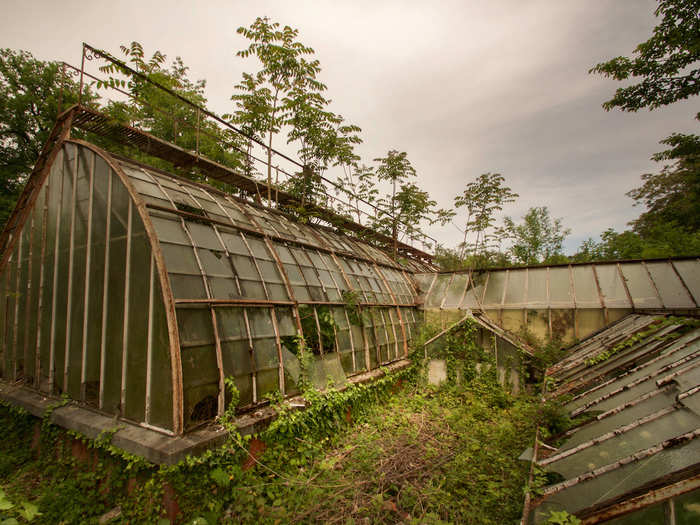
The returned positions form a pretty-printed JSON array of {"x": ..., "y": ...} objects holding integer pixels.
[{"x": 463, "y": 87}]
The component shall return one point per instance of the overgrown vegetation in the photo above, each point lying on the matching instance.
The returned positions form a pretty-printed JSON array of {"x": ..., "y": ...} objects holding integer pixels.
[{"x": 395, "y": 450}]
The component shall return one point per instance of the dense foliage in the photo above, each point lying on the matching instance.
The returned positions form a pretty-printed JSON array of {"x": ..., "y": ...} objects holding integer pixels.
[
  {"x": 666, "y": 63},
  {"x": 396, "y": 450}
]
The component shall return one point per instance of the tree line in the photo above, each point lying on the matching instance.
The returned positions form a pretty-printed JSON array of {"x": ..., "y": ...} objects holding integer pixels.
[{"x": 283, "y": 100}]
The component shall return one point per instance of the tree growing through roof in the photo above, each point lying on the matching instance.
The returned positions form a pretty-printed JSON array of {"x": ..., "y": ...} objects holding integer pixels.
[
  {"x": 538, "y": 239},
  {"x": 407, "y": 205},
  {"x": 285, "y": 92},
  {"x": 358, "y": 181},
  {"x": 672, "y": 196},
  {"x": 164, "y": 115},
  {"x": 483, "y": 198},
  {"x": 30, "y": 90}
]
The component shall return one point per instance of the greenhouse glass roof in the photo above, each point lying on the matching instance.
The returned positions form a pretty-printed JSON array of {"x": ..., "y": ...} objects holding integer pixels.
[
  {"x": 138, "y": 293},
  {"x": 633, "y": 393}
]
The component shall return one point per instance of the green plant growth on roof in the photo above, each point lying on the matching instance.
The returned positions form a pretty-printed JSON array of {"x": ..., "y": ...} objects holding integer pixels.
[{"x": 687, "y": 324}]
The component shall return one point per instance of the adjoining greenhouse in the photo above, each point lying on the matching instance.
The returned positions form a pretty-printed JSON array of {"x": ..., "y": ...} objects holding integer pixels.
[
  {"x": 568, "y": 301},
  {"x": 631, "y": 454}
]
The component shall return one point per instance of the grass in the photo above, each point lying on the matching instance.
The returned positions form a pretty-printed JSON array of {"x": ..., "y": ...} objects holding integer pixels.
[{"x": 424, "y": 455}]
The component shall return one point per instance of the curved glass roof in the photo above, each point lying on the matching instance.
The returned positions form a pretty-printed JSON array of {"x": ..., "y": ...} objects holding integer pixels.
[{"x": 155, "y": 288}]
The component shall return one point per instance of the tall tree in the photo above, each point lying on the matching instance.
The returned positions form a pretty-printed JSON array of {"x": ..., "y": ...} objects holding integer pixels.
[
  {"x": 672, "y": 196},
  {"x": 538, "y": 239},
  {"x": 482, "y": 198},
  {"x": 666, "y": 66},
  {"x": 29, "y": 98},
  {"x": 284, "y": 91},
  {"x": 395, "y": 168},
  {"x": 407, "y": 205},
  {"x": 358, "y": 181}
]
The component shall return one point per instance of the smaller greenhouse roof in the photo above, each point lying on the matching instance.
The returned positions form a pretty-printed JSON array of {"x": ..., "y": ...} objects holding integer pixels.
[{"x": 633, "y": 391}]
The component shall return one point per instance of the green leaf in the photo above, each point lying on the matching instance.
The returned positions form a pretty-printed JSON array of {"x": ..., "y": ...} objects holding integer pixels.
[
  {"x": 30, "y": 511},
  {"x": 220, "y": 477}
]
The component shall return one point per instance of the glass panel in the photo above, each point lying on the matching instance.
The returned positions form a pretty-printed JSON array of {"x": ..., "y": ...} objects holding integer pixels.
[
  {"x": 616, "y": 448},
  {"x": 223, "y": 288},
  {"x": 194, "y": 326},
  {"x": 169, "y": 230},
  {"x": 494, "y": 288},
  {"x": 673, "y": 293},
  {"x": 235, "y": 214},
  {"x": 245, "y": 268},
  {"x": 91, "y": 388},
  {"x": 640, "y": 287},
  {"x": 161, "y": 375},
  {"x": 264, "y": 350},
  {"x": 560, "y": 288},
  {"x": 215, "y": 263},
  {"x": 10, "y": 303},
  {"x": 22, "y": 297},
  {"x": 258, "y": 247},
  {"x": 515, "y": 291},
  {"x": 55, "y": 187},
  {"x": 147, "y": 188},
  {"x": 687, "y": 508},
  {"x": 187, "y": 286},
  {"x": 75, "y": 343},
  {"x": 136, "y": 173},
  {"x": 61, "y": 297},
  {"x": 183, "y": 200},
  {"x": 139, "y": 290},
  {"x": 585, "y": 287},
  {"x": 179, "y": 259},
  {"x": 690, "y": 272},
  {"x": 472, "y": 299},
  {"x": 612, "y": 286},
  {"x": 236, "y": 353},
  {"x": 628, "y": 477},
  {"x": 203, "y": 235},
  {"x": 270, "y": 272},
  {"x": 114, "y": 330},
  {"x": 536, "y": 288},
  {"x": 165, "y": 181},
  {"x": 4, "y": 346},
  {"x": 33, "y": 305},
  {"x": 234, "y": 243}
]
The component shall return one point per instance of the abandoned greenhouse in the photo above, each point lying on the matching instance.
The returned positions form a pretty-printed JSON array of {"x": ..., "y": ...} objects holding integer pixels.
[
  {"x": 144, "y": 291},
  {"x": 140, "y": 295}
]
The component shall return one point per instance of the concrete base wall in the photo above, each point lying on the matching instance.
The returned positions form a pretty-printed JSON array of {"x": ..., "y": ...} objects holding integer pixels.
[{"x": 151, "y": 444}]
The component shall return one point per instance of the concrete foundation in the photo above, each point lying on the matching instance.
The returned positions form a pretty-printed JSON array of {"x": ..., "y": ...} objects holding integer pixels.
[{"x": 152, "y": 445}]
